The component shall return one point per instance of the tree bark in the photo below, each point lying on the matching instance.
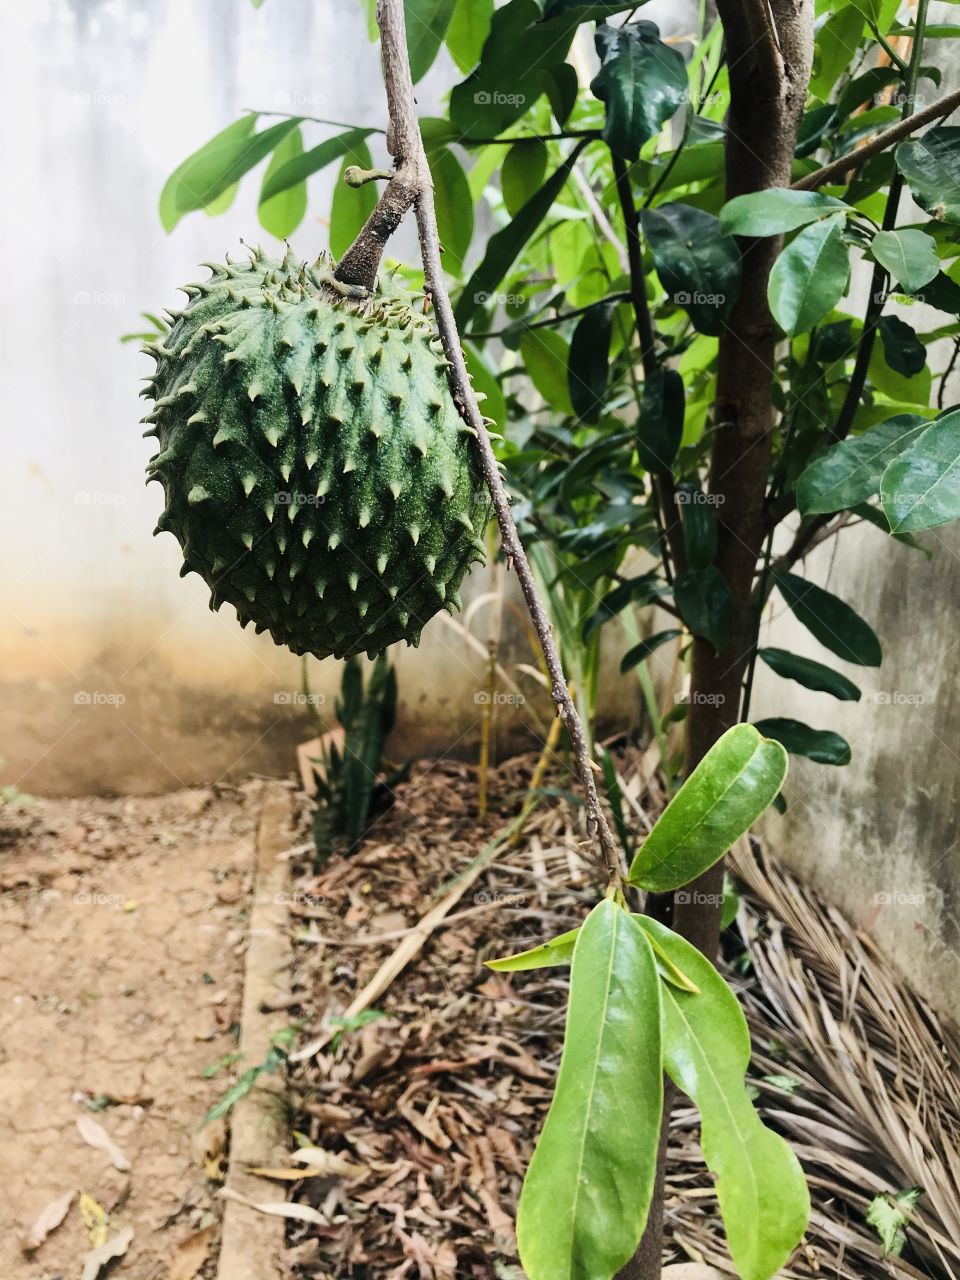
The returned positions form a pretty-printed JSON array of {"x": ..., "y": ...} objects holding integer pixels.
[{"x": 769, "y": 56}]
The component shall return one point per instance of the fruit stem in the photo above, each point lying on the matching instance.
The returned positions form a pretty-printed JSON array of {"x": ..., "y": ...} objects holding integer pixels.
[{"x": 412, "y": 185}]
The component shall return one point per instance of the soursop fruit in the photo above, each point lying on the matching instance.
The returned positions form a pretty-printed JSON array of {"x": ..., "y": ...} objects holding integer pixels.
[{"x": 317, "y": 473}]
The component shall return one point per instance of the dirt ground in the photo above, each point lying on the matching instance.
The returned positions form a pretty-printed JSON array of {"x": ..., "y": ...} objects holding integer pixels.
[{"x": 121, "y": 953}]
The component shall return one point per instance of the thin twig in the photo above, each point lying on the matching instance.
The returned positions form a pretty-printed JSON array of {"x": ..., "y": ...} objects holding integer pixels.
[
  {"x": 837, "y": 169},
  {"x": 411, "y": 185}
]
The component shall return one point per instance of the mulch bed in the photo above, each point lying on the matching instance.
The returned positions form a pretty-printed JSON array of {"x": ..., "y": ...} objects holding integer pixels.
[{"x": 435, "y": 1096}]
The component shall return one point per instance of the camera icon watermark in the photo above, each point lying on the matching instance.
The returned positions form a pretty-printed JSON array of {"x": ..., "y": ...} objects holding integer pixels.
[
  {"x": 901, "y": 698},
  {"x": 497, "y": 98},
  {"x": 483, "y": 698},
  {"x": 697, "y": 299},
  {"x": 96, "y": 298},
  {"x": 693, "y": 897},
  {"x": 698, "y": 498},
  {"x": 898, "y": 898},
  {"x": 500, "y": 299},
  {"x": 98, "y": 698},
  {"x": 95, "y": 898},
  {"x": 295, "y": 698},
  {"x": 484, "y": 897},
  {"x": 288, "y": 98},
  {"x": 286, "y": 498},
  {"x": 98, "y": 98},
  {"x": 699, "y": 699}
]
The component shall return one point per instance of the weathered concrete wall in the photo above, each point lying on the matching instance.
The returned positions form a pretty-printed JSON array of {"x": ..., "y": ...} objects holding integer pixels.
[{"x": 880, "y": 837}]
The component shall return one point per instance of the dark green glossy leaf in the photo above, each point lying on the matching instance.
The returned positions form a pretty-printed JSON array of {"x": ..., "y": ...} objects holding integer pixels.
[
  {"x": 587, "y": 1191},
  {"x": 865, "y": 87},
  {"x": 723, "y": 797},
  {"x": 698, "y": 264},
  {"x": 705, "y": 604},
  {"x": 850, "y": 471},
  {"x": 561, "y": 85},
  {"x": 642, "y": 82},
  {"x": 836, "y": 42},
  {"x": 586, "y": 10},
  {"x": 523, "y": 168},
  {"x": 830, "y": 620},
  {"x": 822, "y": 745},
  {"x": 516, "y": 57},
  {"x": 921, "y": 488},
  {"x": 558, "y": 951},
  {"x": 931, "y": 167},
  {"x": 775, "y": 210},
  {"x": 640, "y": 652},
  {"x": 902, "y": 349},
  {"x": 454, "y": 203},
  {"x": 468, "y": 29},
  {"x": 588, "y": 371},
  {"x": 706, "y": 1051},
  {"x": 810, "y": 276},
  {"x": 426, "y": 22},
  {"x": 505, "y": 245},
  {"x": 909, "y": 255},
  {"x": 282, "y": 214},
  {"x": 811, "y": 674},
  {"x": 941, "y": 292},
  {"x": 302, "y": 166},
  {"x": 351, "y": 206},
  {"x": 660, "y": 424},
  {"x": 644, "y": 589},
  {"x": 699, "y": 526},
  {"x": 589, "y": 462}
]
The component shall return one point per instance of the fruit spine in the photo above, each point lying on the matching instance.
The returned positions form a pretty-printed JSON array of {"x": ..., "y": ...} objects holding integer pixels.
[{"x": 317, "y": 473}]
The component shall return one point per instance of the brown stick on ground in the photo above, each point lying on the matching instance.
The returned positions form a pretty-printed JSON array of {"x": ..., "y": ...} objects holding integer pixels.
[{"x": 412, "y": 185}]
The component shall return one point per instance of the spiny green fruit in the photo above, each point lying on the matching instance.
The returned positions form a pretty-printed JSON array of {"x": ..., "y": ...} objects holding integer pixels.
[{"x": 317, "y": 473}]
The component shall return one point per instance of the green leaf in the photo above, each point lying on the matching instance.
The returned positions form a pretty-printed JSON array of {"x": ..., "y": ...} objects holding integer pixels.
[
  {"x": 822, "y": 745},
  {"x": 451, "y": 192},
  {"x": 351, "y": 206},
  {"x": 505, "y": 245},
  {"x": 810, "y": 276},
  {"x": 699, "y": 526},
  {"x": 561, "y": 85},
  {"x": 706, "y": 1051},
  {"x": 775, "y": 210},
  {"x": 698, "y": 264},
  {"x": 586, "y": 10},
  {"x": 909, "y": 255},
  {"x": 812, "y": 675},
  {"x": 865, "y": 87},
  {"x": 546, "y": 355},
  {"x": 220, "y": 164},
  {"x": 588, "y": 370},
  {"x": 172, "y": 198},
  {"x": 585, "y": 1198},
  {"x": 836, "y": 43},
  {"x": 427, "y": 22},
  {"x": 705, "y": 603},
  {"x": 931, "y": 167},
  {"x": 850, "y": 471},
  {"x": 283, "y": 213},
  {"x": 640, "y": 652},
  {"x": 558, "y": 951},
  {"x": 302, "y": 166},
  {"x": 468, "y": 29},
  {"x": 890, "y": 1216},
  {"x": 830, "y": 620},
  {"x": 517, "y": 56},
  {"x": 902, "y": 349},
  {"x": 726, "y": 793},
  {"x": 486, "y": 384},
  {"x": 660, "y": 424},
  {"x": 921, "y": 488},
  {"x": 522, "y": 174},
  {"x": 642, "y": 82}
]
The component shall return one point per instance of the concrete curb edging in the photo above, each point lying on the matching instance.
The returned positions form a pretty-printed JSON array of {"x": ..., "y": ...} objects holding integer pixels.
[{"x": 252, "y": 1242}]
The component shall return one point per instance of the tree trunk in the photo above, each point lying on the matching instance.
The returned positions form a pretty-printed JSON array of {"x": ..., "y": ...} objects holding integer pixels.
[{"x": 769, "y": 51}]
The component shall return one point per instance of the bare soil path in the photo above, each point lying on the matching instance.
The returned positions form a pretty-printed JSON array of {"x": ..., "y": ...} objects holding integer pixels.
[{"x": 121, "y": 960}]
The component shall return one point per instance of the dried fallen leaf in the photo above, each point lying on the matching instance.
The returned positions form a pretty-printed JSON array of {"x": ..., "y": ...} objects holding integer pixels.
[
  {"x": 47, "y": 1220},
  {"x": 328, "y": 1162},
  {"x": 94, "y": 1219},
  {"x": 281, "y": 1209},
  {"x": 95, "y": 1135},
  {"x": 191, "y": 1254},
  {"x": 115, "y": 1247}
]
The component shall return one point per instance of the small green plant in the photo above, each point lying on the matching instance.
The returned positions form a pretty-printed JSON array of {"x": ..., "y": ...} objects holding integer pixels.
[
  {"x": 350, "y": 1026},
  {"x": 275, "y": 1059},
  {"x": 12, "y": 797},
  {"x": 347, "y": 782},
  {"x": 889, "y": 1215}
]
